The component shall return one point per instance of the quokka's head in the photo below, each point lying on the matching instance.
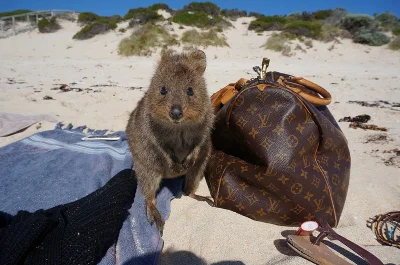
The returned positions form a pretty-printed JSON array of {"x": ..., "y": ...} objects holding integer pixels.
[{"x": 178, "y": 93}]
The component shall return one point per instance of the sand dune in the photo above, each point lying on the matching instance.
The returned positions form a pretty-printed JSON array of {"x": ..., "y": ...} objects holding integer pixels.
[{"x": 34, "y": 63}]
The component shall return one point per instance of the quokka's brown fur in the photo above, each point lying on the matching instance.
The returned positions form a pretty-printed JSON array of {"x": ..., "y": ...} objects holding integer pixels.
[{"x": 169, "y": 134}]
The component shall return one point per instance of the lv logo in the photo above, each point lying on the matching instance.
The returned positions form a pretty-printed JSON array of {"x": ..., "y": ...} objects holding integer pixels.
[
  {"x": 270, "y": 171},
  {"x": 264, "y": 120},
  {"x": 320, "y": 204},
  {"x": 231, "y": 193},
  {"x": 273, "y": 205},
  {"x": 306, "y": 162}
]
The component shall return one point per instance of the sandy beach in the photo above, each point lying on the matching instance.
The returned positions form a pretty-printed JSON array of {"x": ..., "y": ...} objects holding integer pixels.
[{"x": 106, "y": 88}]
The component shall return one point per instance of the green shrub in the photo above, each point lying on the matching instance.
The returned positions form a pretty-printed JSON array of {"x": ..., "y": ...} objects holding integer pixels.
[
  {"x": 330, "y": 33},
  {"x": 255, "y": 14},
  {"x": 276, "y": 42},
  {"x": 322, "y": 14},
  {"x": 233, "y": 13},
  {"x": 209, "y": 38},
  {"x": 15, "y": 12},
  {"x": 159, "y": 6},
  {"x": 304, "y": 28},
  {"x": 265, "y": 23},
  {"x": 145, "y": 39},
  {"x": 199, "y": 19},
  {"x": 387, "y": 19},
  {"x": 141, "y": 16},
  {"x": 396, "y": 31},
  {"x": 115, "y": 18},
  {"x": 122, "y": 30},
  {"x": 336, "y": 17},
  {"x": 305, "y": 16},
  {"x": 48, "y": 26},
  {"x": 371, "y": 38},
  {"x": 100, "y": 26},
  {"x": 87, "y": 17},
  {"x": 206, "y": 7},
  {"x": 395, "y": 44},
  {"x": 355, "y": 22}
]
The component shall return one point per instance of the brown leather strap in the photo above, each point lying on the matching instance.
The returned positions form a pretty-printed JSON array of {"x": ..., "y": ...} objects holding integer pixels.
[
  {"x": 225, "y": 94},
  {"x": 326, "y": 96},
  {"x": 326, "y": 230}
]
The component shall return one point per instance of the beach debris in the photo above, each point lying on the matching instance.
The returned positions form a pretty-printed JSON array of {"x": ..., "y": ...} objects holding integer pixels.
[
  {"x": 360, "y": 118},
  {"x": 38, "y": 126},
  {"x": 376, "y": 138},
  {"x": 395, "y": 150},
  {"x": 65, "y": 88},
  {"x": 11, "y": 81},
  {"x": 48, "y": 98},
  {"x": 333, "y": 83},
  {"x": 135, "y": 88},
  {"x": 364, "y": 126},
  {"x": 393, "y": 161},
  {"x": 378, "y": 104},
  {"x": 105, "y": 85}
]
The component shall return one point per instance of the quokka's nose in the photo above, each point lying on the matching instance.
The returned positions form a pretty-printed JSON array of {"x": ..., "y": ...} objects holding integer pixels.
[{"x": 176, "y": 112}]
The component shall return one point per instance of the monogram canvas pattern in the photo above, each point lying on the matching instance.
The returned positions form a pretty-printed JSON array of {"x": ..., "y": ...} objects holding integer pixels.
[{"x": 277, "y": 158}]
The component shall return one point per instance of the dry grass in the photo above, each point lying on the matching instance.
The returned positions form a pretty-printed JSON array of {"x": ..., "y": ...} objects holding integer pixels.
[
  {"x": 308, "y": 43},
  {"x": 205, "y": 39},
  {"x": 395, "y": 44},
  {"x": 144, "y": 40},
  {"x": 277, "y": 42}
]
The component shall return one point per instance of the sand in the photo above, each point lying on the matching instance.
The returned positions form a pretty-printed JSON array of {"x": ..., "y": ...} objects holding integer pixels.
[{"x": 195, "y": 233}]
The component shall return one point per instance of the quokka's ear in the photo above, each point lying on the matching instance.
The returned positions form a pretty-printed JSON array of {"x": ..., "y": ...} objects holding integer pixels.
[
  {"x": 197, "y": 60},
  {"x": 166, "y": 53}
]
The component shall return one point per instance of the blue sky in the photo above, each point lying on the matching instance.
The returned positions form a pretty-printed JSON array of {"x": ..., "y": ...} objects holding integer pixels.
[{"x": 277, "y": 7}]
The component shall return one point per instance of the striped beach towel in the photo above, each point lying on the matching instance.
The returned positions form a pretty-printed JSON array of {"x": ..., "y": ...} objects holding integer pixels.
[{"x": 57, "y": 167}]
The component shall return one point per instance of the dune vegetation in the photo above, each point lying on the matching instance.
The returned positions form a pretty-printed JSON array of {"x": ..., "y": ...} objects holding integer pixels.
[
  {"x": 323, "y": 25},
  {"x": 145, "y": 39},
  {"x": 326, "y": 25},
  {"x": 48, "y": 25}
]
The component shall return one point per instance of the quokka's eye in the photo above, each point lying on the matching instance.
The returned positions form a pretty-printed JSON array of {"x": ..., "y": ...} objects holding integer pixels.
[
  {"x": 163, "y": 91},
  {"x": 189, "y": 91}
]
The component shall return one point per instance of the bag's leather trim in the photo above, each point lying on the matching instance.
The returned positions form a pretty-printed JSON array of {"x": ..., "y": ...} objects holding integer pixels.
[
  {"x": 219, "y": 185},
  {"x": 315, "y": 100},
  {"x": 316, "y": 161},
  {"x": 299, "y": 98}
]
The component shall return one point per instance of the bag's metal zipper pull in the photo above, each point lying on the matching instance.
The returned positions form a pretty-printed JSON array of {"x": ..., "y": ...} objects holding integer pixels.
[{"x": 262, "y": 71}]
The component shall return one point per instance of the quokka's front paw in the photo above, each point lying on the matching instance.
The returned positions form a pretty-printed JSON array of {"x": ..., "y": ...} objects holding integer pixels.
[{"x": 189, "y": 161}]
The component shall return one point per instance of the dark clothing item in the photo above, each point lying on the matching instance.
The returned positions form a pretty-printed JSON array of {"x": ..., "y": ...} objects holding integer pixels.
[{"x": 76, "y": 233}]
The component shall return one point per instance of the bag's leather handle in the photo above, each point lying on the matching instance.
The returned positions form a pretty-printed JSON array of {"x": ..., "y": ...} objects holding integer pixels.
[
  {"x": 326, "y": 96},
  {"x": 225, "y": 94},
  {"x": 326, "y": 230}
]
